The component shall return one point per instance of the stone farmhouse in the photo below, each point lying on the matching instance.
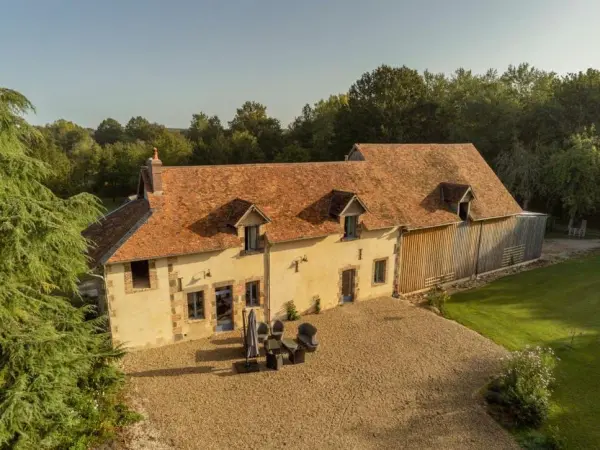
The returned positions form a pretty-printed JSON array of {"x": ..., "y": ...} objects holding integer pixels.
[{"x": 199, "y": 244}]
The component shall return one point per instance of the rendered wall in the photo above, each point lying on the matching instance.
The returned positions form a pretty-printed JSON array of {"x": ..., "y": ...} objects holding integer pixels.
[
  {"x": 320, "y": 274},
  {"x": 154, "y": 317},
  {"x": 142, "y": 317}
]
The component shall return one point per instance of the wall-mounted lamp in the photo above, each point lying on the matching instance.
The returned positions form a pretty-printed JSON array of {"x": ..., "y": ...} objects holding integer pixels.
[
  {"x": 207, "y": 274},
  {"x": 360, "y": 253},
  {"x": 297, "y": 261}
]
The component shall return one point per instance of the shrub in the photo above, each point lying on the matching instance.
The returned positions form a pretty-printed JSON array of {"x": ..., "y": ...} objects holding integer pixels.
[
  {"x": 292, "y": 312},
  {"x": 523, "y": 388},
  {"x": 437, "y": 298},
  {"x": 317, "y": 304},
  {"x": 537, "y": 440}
]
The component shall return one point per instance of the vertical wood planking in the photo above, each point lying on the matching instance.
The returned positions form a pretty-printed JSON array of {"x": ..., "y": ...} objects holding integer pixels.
[{"x": 438, "y": 255}]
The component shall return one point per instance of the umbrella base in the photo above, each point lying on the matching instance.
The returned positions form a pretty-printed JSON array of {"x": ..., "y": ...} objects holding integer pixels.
[{"x": 243, "y": 367}]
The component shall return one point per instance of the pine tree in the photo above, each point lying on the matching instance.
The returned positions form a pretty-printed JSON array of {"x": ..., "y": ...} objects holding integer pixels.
[{"x": 57, "y": 380}]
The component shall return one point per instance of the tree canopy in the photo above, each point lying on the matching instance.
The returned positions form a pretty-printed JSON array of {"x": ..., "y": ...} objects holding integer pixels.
[{"x": 57, "y": 385}]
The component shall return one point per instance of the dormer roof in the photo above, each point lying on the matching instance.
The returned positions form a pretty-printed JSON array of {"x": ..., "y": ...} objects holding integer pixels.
[
  {"x": 343, "y": 201},
  {"x": 455, "y": 193},
  {"x": 238, "y": 210}
]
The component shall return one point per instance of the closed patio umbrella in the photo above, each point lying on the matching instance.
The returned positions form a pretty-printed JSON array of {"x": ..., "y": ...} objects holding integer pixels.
[{"x": 251, "y": 337}]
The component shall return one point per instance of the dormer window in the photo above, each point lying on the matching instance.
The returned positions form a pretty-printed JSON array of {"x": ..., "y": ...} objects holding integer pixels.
[
  {"x": 251, "y": 238},
  {"x": 350, "y": 227},
  {"x": 463, "y": 210},
  {"x": 347, "y": 207},
  {"x": 457, "y": 197},
  {"x": 248, "y": 220}
]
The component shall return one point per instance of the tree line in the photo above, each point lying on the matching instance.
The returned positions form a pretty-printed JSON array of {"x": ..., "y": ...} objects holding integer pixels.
[{"x": 535, "y": 128}]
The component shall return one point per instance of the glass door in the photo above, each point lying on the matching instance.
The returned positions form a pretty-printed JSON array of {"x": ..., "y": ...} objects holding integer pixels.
[{"x": 224, "y": 304}]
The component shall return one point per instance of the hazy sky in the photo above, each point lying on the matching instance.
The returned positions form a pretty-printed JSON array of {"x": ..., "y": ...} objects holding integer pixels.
[{"x": 87, "y": 60}]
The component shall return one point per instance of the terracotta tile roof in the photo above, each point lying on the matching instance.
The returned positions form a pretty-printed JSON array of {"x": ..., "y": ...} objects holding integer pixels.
[
  {"x": 452, "y": 192},
  {"x": 420, "y": 168},
  {"x": 399, "y": 184},
  {"x": 108, "y": 231}
]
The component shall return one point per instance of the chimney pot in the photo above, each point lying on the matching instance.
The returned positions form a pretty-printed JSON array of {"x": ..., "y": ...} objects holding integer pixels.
[{"x": 156, "y": 173}]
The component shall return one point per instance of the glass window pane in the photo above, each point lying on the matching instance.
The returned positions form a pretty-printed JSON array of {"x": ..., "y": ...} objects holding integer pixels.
[
  {"x": 252, "y": 294},
  {"x": 379, "y": 276},
  {"x": 350, "y": 226},
  {"x": 251, "y": 237},
  {"x": 195, "y": 302}
]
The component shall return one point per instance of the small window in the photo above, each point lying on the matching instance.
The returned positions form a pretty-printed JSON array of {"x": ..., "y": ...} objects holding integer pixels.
[
  {"x": 140, "y": 274},
  {"x": 379, "y": 272},
  {"x": 463, "y": 210},
  {"x": 252, "y": 292},
  {"x": 195, "y": 305},
  {"x": 251, "y": 238},
  {"x": 350, "y": 225}
]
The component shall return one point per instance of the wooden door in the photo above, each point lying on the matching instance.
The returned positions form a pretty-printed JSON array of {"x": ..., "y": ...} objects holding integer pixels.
[{"x": 348, "y": 285}]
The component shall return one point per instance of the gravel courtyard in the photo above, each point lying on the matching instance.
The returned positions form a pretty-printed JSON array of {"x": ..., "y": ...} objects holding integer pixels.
[{"x": 387, "y": 375}]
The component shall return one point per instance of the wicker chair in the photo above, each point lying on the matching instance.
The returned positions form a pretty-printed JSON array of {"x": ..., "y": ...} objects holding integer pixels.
[
  {"x": 307, "y": 336},
  {"x": 277, "y": 329},
  {"x": 262, "y": 330}
]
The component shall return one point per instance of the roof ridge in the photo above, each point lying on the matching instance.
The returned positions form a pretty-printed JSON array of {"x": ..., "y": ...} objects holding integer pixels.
[
  {"x": 413, "y": 144},
  {"x": 271, "y": 164}
]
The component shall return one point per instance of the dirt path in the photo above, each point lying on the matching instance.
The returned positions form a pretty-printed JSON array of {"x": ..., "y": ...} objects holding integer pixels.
[
  {"x": 559, "y": 249},
  {"x": 387, "y": 375}
]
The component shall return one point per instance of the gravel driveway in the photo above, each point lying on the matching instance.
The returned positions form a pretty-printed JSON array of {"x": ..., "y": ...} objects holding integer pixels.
[{"x": 387, "y": 375}]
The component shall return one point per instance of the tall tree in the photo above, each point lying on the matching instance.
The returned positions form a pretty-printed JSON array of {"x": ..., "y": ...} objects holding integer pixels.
[
  {"x": 576, "y": 171},
  {"x": 522, "y": 170},
  {"x": 252, "y": 119},
  {"x": 109, "y": 131},
  {"x": 175, "y": 149},
  {"x": 245, "y": 148},
  {"x": 57, "y": 385},
  {"x": 210, "y": 144},
  {"x": 314, "y": 130},
  {"x": 139, "y": 128},
  {"x": 81, "y": 150}
]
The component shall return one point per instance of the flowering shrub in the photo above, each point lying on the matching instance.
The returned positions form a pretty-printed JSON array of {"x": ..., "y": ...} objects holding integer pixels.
[
  {"x": 523, "y": 388},
  {"x": 437, "y": 297}
]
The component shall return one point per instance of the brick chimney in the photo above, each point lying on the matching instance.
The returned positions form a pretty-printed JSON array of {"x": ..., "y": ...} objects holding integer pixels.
[{"x": 155, "y": 167}]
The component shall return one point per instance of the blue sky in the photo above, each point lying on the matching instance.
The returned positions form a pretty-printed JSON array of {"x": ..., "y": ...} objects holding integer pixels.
[{"x": 87, "y": 60}]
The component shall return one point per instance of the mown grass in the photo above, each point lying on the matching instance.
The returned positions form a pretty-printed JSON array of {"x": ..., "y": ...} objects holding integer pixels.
[{"x": 556, "y": 306}]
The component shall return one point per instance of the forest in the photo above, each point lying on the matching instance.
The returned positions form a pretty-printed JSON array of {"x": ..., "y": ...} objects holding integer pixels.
[{"x": 537, "y": 129}]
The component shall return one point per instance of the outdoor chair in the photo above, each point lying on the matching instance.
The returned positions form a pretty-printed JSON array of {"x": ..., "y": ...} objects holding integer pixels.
[
  {"x": 277, "y": 329},
  {"x": 307, "y": 336},
  {"x": 262, "y": 329}
]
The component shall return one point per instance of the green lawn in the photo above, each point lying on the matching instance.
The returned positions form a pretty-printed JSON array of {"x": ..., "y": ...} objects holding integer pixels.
[{"x": 547, "y": 307}]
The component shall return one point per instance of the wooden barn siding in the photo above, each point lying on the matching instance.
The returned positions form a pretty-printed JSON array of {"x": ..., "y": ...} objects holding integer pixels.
[{"x": 453, "y": 252}]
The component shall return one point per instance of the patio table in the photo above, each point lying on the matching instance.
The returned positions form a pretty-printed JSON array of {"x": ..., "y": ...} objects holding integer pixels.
[
  {"x": 272, "y": 346},
  {"x": 295, "y": 351}
]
